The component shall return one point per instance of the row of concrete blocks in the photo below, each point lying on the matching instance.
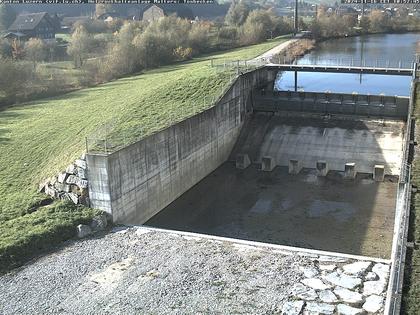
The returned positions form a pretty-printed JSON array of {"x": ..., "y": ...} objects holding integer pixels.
[{"x": 295, "y": 166}]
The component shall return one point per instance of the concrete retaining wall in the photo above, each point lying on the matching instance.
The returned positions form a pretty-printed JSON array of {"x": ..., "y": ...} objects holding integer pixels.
[
  {"x": 333, "y": 103},
  {"x": 136, "y": 182}
]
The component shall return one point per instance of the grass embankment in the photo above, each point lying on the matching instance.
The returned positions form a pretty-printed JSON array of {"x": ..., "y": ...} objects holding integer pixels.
[
  {"x": 411, "y": 296},
  {"x": 40, "y": 138}
]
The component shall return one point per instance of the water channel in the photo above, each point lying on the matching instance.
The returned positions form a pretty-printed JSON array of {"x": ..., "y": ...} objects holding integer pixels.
[{"x": 381, "y": 50}]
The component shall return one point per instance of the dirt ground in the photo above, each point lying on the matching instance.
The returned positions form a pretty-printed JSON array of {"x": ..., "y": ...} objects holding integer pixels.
[{"x": 333, "y": 214}]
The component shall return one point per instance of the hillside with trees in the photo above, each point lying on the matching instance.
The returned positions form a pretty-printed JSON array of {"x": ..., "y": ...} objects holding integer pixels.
[{"x": 99, "y": 51}]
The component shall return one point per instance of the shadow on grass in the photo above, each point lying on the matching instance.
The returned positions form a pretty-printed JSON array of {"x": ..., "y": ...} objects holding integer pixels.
[{"x": 3, "y": 139}]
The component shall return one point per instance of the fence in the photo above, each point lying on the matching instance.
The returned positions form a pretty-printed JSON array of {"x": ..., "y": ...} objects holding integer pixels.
[
  {"x": 239, "y": 65},
  {"x": 332, "y": 62},
  {"x": 107, "y": 139}
]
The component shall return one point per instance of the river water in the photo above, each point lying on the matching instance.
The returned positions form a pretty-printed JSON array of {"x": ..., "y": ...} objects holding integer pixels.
[{"x": 381, "y": 50}]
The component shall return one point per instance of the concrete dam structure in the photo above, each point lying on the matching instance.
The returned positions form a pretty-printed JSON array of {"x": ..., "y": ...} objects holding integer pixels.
[
  {"x": 335, "y": 136},
  {"x": 319, "y": 171},
  {"x": 135, "y": 183}
]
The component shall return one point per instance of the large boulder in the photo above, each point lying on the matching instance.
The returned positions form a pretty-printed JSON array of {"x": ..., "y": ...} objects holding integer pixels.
[{"x": 83, "y": 230}]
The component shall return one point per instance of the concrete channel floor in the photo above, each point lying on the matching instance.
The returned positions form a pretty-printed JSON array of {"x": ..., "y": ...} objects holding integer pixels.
[
  {"x": 336, "y": 140},
  {"x": 332, "y": 214},
  {"x": 137, "y": 270}
]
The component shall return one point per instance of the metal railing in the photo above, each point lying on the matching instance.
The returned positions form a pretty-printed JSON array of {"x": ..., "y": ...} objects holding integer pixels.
[
  {"x": 355, "y": 62},
  {"x": 399, "y": 249},
  {"x": 328, "y": 62},
  {"x": 246, "y": 65}
]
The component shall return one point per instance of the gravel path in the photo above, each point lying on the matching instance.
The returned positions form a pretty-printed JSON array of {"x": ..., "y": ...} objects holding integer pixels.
[
  {"x": 276, "y": 50},
  {"x": 138, "y": 271}
]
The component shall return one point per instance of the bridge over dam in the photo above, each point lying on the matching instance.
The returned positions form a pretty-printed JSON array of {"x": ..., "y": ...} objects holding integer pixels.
[
  {"x": 371, "y": 69},
  {"x": 272, "y": 166}
]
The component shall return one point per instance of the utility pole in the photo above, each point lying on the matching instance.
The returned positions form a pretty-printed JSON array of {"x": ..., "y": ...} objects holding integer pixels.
[{"x": 296, "y": 17}]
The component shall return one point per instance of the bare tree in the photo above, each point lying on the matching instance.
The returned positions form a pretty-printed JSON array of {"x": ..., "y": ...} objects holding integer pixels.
[
  {"x": 102, "y": 8},
  {"x": 79, "y": 46},
  {"x": 259, "y": 25},
  {"x": 378, "y": 21},
  {"x": 16, "y": 80},
  {"x": 237, "y": 14},
  {"x": 35, "y": 50}
]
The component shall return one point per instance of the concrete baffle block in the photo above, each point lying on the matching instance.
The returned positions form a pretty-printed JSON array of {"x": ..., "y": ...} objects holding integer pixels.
[
  {"x": 294, "y": 167},
  {"x": 379, "y": 173},
  {"x": 321, "y": 168},
  {"x": 267, "y": 163},
  {"x": 350, "y": 171},
  {"x": 242, "y": 161}
]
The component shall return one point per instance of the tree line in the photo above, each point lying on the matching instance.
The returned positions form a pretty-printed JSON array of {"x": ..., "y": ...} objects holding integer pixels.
[
  {"x": 331, "y": 24},
  {"x": 105, "y": 51}
]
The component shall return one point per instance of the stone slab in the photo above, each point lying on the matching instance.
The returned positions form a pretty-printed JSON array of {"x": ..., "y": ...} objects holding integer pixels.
[
  {"x": 374, "y": 287},
  {"x": 315, "y": 284},
  {"x": 327, "y": 296},
  {"x": 343, "y": 280},
  {"x": 348, "y": 296},
  {"x": 343, "y": 309},
  {"x": 373, "y": 303},
  {"x": 292, "y": 308},
  {"x": 357, "y": 268},
  {"x": 319, "y": 308}
]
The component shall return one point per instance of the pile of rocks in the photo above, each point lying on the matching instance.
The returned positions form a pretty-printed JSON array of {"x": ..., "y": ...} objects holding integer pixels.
[
  {"x": 69, "y": 185},
  {"x": 348, "y": 288}
]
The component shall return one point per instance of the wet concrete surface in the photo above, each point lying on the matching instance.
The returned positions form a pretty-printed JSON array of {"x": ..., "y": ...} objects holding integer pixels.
[{"x": 333, "y": 214}]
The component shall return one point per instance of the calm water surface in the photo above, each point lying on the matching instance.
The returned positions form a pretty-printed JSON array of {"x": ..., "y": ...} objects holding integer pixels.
[{"x": 373, "y": 50}]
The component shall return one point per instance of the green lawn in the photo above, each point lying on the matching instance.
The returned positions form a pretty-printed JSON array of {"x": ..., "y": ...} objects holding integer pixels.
[
  {"x": 40, "y": 138},
  {"x": 64, "y": 36},
  {"x": 412, "y": 291}
]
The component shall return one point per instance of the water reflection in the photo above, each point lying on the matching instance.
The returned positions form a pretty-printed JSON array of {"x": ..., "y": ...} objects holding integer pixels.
[
  {"x": 381, "y": 50},
  {"x": 343, "y": 83}
]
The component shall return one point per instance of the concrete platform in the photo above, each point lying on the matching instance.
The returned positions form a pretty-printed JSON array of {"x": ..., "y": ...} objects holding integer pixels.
[
  {"x": 365, "y": 142},
  {"x": 304, "y": 210}
]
